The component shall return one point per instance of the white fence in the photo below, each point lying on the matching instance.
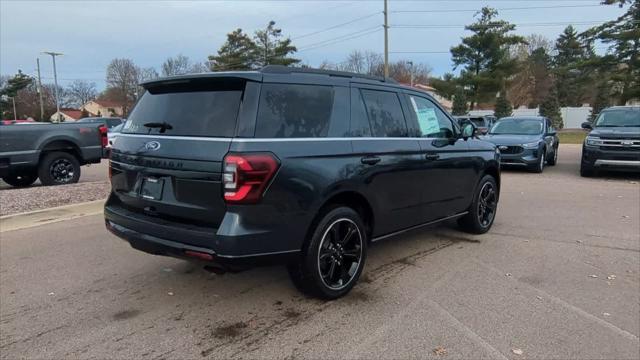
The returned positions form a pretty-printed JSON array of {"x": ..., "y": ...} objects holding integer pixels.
[{"x": 572, "y": 117}]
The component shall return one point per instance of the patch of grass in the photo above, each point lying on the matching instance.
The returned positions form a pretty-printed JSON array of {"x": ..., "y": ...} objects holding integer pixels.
[{"x": 572, "y": 136}]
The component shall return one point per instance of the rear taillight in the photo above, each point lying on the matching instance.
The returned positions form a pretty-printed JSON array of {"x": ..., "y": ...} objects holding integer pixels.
[
  {"x": 246, "y": 176},
  {"x": 103, "y": 135}
]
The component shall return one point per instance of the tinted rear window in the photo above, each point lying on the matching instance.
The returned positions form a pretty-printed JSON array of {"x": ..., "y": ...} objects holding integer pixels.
[
  {"x": 385, "y": 113},
  {"x": 288, "y": 110},
  {"x": 195, "y": 113}
]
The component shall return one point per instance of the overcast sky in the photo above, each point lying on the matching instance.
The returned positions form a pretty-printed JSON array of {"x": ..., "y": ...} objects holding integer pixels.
[{"x": 91, "y": 33}]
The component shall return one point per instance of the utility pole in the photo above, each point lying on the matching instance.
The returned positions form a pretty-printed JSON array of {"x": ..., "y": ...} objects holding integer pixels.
[
  {"x": 15, "y": 116},
  {"x": 386, "y": 42},
  {"x": 410, "y": 63},
  {"x": 40, "y": 91},
  {"x": 55, "y": 80}
]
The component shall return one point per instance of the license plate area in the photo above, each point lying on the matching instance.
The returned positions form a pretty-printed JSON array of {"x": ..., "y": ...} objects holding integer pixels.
[{"x": 151, "y": 188}]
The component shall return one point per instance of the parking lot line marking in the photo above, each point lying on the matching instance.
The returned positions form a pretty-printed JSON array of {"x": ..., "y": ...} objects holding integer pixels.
[
  {"x": 558, "y": 301},
  {"x": 495, "y": 353}
]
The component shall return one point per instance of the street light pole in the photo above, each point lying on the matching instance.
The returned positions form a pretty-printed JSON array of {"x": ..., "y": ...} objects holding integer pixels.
[
  {"x": 40, "y": 91},
  {"x": 55, "y": 80}
]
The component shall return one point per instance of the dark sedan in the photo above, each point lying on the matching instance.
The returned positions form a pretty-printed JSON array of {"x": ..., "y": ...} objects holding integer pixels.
[{"x": 529, "y": 142}]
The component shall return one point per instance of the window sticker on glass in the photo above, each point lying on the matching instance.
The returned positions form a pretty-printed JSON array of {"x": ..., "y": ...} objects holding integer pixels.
[{"x": 427, "y": 119}]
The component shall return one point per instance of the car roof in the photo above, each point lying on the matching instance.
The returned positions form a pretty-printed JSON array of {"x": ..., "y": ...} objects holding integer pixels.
[
  {"x": 523, "y": 118},
  {"x": 626, "y": 107},
  {"x": 279, "y": 73}
]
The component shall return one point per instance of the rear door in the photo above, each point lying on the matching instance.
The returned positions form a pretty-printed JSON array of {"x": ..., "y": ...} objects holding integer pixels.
[
  {"x": 390, "y": 159},
  {"x": 167, "y": 162}
]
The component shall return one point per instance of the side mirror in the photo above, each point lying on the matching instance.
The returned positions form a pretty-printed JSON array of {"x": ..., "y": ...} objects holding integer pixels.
[
  {"x": 468, "y": 130},
  {"x": 587, "y": 125},
  {"x": 551, "y": 133}
]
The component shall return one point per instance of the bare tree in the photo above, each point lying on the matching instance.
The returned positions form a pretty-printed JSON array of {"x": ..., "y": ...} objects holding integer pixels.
[
  {"x": 373, "y": 62},
  {"x": 80, "y": 92},
  {"x": 177, "y": 65},
  {"x": 355, "y": 62},
  {"x": 122, "y": 77},
  {"x": 198, "y": 68}
]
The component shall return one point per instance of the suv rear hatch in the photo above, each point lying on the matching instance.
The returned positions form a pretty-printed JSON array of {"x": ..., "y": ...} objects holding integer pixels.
[{"x": 167, "y": 162}]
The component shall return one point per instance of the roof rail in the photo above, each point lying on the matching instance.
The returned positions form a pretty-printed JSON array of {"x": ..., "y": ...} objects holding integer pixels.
[{"x": 281, "y": 69}]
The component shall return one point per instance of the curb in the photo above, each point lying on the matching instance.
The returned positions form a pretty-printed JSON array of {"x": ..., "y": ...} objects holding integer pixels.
[{"x": 51, "y": 215}]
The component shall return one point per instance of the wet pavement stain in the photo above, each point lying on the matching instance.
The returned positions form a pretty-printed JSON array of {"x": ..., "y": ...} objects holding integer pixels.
[
  {"x": 228, "y": 331},
  {"x": 292, "y": 314},
  {"x": 126, "y": 314}
]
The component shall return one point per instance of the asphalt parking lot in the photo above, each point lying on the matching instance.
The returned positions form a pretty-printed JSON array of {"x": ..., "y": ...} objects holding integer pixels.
[{"x": 558, "y": 277}]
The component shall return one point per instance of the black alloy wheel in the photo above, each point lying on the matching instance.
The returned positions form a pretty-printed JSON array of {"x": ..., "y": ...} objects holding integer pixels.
[
  {"x": 487, "y": 204},
  {"x": 482, "y": 212},
  {"x": 340, "y": 254},
  {"x": 334, "y": 255}
]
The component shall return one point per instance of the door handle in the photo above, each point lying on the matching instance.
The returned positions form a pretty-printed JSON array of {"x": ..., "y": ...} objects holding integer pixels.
[
  {"x": 370, "y": 160},
  {"x": 432, "y": 156}
]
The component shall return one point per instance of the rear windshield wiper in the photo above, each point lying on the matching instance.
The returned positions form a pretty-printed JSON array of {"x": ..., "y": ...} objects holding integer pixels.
[{"x": 163, "y": 126}]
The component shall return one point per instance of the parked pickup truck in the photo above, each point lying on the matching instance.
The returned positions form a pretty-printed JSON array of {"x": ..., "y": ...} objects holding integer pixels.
[{"x": 51, "y": 152}]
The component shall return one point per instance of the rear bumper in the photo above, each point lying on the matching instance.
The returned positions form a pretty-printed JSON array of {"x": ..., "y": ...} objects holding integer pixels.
[{"x": 161, "y": 237}]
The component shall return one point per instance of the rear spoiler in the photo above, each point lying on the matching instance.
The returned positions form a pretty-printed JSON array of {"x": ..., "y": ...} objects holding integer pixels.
[{"x": 222, "y": 75}]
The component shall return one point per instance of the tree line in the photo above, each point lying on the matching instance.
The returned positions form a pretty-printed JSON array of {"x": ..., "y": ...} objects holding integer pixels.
[
  {"x": 496, "y": 68},
  {"x": 504, "y": 70}
]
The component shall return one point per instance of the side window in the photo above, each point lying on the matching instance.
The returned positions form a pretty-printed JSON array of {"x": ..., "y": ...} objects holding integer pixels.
[
  {"x": 287, "y": 110},
  {"x": 113, "y": 122},
  {"x": 432, "y": 121},
  {"x": 550, "y": 128},
  {"x": 385, "y": 113},
  {"x": 359, "y": 122}
]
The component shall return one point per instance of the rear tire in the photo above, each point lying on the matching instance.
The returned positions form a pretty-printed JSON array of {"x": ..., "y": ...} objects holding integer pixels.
[
  {"x": 59, "y": 168},
  {"x": 23, "y": 179},
  {"x": 334, "y": 256},
  {"x": 482, "y": 211}
]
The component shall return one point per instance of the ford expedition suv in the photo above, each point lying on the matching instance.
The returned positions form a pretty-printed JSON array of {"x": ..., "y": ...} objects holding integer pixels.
[
  {"x": 292, "y": 166},
  {"x": 614, "y": 141}
]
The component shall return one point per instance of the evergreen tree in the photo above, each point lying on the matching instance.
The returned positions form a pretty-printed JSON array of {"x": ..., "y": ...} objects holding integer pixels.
[
  {"x": 602, "y": 100},
  {"x": 485, "y": 55},
  {"x": 237, "y": 53},
  {"x": 18, "y": 82},
  {"x": 571, "y": 76},
  {"x": 503, "y": 106},
  {"x": 270, "y": 49},
  {"x": 622, "y": 61},
  {"x": 540, "y": 66},
  {"x": 445, "y": 87},
  {"x": 459, "y": 102},
  {"x": 550, "y": 108},
  {"x": 10, "y": 89}
]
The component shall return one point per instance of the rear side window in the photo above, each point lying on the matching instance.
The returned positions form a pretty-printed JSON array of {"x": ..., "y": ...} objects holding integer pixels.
[
  {"x": 288, "y": 110},
  {"x": 189, "y": 113},
  {"x": 385, "y": 113},
  {"x": 113, "y": 123}
]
